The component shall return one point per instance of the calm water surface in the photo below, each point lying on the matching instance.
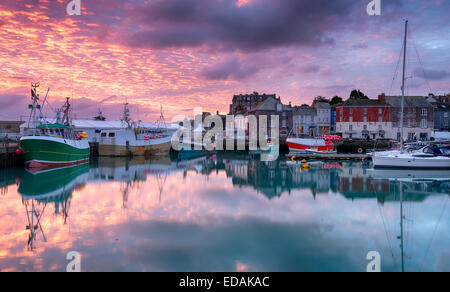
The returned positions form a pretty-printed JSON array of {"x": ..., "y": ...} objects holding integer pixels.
[{"x": 223, "y": 213}]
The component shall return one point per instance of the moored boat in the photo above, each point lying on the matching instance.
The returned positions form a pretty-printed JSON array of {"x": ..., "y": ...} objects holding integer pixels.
[
  {"x": 425, "y": 158},
  {"x": 134, "y": 140},
  {"x": 52, "y": 145},
  {"x": 311, "y": 146}
]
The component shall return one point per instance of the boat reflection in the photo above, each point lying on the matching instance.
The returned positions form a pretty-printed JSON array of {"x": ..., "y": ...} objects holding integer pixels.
[
  {"x": 305, "y": 208},
  {"x": 40, "y": 189}
]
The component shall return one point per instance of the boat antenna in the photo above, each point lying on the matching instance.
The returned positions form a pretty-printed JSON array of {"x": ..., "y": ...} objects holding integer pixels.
[
  {"x": 35, "y": 106},
  {"x": 126, "y": 114},
  {"x": 402, "y": 111}
]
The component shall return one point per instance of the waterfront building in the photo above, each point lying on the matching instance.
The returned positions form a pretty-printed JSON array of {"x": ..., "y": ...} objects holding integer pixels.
[
  {"x": 9, "y": 130},
  {"x": 304, "y": 121},
  {"x": 364, "y": 119},
  {"x": 441, "y": 106},
  {"x": 418, "y": 121},
  {"x": 273, "y": 106},
  {"x": 243, "y": 103},
  {"x": 333, "y": 119},
  {"x": 323, "y": 117},
  {"x": 10, "y": 126}
]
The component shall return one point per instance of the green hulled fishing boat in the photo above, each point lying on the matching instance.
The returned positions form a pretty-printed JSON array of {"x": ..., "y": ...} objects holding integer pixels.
[{"x": 52, "y": 145}]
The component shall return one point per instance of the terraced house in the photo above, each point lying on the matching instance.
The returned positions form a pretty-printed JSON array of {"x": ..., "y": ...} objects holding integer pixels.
[
  {"x": 441, "y": 106},
  {"x": 418, "y": 120},
  {"x": 364, "y": 119}
]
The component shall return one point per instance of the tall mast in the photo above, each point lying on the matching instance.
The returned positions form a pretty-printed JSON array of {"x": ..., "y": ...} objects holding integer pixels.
[
  {"x": 126, "y": 114},
  {"x": 402, "y": 112}
]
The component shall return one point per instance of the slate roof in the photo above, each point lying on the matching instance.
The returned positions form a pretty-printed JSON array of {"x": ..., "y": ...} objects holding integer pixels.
[
  {"x": 305, "y": 111},
  {"x": 364, "y": 103},
  {"x": 269, "y": 104},
  {"x": 322, "y": 105},
  {"x": 410, "y": 101}
]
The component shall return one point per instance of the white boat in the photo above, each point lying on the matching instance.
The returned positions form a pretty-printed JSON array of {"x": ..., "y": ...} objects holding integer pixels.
[
  {"x": 310, "y": 146},
  {"x": 134, "y": 140},
  {"x": 421, "y": 159},
  {"x": 424, "y": 158}
]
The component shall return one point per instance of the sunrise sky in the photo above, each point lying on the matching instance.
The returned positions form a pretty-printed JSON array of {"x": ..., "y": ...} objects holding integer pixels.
[{"x": 186, "y": 53}]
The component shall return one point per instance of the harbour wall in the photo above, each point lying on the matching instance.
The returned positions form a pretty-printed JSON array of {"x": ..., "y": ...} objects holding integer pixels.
[{"x": 8, "y": 155}]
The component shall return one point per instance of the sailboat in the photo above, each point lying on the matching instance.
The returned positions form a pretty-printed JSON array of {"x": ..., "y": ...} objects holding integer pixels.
[
  {"x": 425, "y": 158},
  {"x": 48, "y": 145}
]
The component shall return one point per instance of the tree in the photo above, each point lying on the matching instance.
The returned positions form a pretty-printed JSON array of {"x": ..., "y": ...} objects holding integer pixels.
[
  {"x": 357, "y": 94},
  {"x": 321, "y": 99},
  {"x": 336, "y": 100}
]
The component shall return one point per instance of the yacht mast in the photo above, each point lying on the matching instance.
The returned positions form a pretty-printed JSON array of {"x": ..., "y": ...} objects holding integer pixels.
[
  {"x": 401, "y": 229},
  {"x": 402, "y": 112}
]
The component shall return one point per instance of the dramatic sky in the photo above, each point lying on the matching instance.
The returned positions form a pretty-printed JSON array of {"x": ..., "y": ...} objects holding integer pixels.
[{"x": 187, "y": 53}]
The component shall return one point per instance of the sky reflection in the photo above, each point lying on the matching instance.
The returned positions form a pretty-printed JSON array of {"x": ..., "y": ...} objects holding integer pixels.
[{"x": 223, "y": 214}]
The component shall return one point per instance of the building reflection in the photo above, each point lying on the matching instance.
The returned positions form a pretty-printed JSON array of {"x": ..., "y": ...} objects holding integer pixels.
[{"x": 353, "y": 180}]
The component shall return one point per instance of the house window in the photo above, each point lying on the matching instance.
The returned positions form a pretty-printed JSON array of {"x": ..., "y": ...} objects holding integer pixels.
[
  {"x": 380, "y": 119},
  {"x": 424, "y": 124},
  {"x": 365, "y": 127},
  {"x": 424, "y": 112},
  {"x": 380, "y": 111},
  {"x": 350, "y": 128},
  {"x": 351, "y": 111},
  {"x": 365, "y": 111},
  {"x": 351, "y": 119},
  {"x": 365, "y": 119},
  {"x": 112, "y": 135},
  {"x": 103, "y": 135}
]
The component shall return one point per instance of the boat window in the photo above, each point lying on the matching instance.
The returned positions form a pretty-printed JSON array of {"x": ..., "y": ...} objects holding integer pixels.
[
  {"x": 103, "y": 135},
  {"x": 112, "y": 135}
]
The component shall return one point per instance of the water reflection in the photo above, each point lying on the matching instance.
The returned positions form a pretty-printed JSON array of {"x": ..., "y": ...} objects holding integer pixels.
[{"x": 225, "y": 212}]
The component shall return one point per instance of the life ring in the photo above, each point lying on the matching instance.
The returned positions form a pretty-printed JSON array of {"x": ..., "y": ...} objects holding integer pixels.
[{"x": 360, "y": 150}]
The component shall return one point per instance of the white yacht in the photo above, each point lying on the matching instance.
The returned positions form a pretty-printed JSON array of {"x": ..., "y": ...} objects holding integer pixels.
[{"x": 425, "y": 158}]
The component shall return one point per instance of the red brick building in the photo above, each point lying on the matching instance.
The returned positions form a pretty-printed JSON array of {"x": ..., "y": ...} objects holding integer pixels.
[{"x": 364, "y": 118}]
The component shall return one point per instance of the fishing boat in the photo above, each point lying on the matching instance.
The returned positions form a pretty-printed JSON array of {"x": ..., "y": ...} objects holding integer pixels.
[
  {"x": 316, "y": 146},
  {"x": 48, "y": 145},
  {"x": 135, "y": 140},
  {"x": 425, "y": 158}
]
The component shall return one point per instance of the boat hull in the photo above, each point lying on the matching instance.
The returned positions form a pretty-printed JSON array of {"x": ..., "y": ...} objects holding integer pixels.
[
  {"x": 409, "y": 162},
  {"x": 310, "y": 146},
  {"x": 151, "y": 149},
  {"x": 42, "y": 152}
]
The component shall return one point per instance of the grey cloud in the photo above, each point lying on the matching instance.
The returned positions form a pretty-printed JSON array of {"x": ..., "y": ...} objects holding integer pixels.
[{"x": 222, "y": 25}]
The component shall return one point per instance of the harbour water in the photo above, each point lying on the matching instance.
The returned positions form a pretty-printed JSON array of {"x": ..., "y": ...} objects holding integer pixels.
[{"x": 224, "y": 212}]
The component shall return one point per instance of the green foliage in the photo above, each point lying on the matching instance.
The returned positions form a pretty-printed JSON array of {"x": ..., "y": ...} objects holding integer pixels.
[
  {"x": 336, "y": 100},
  {"x": 357, "y": 94}
]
